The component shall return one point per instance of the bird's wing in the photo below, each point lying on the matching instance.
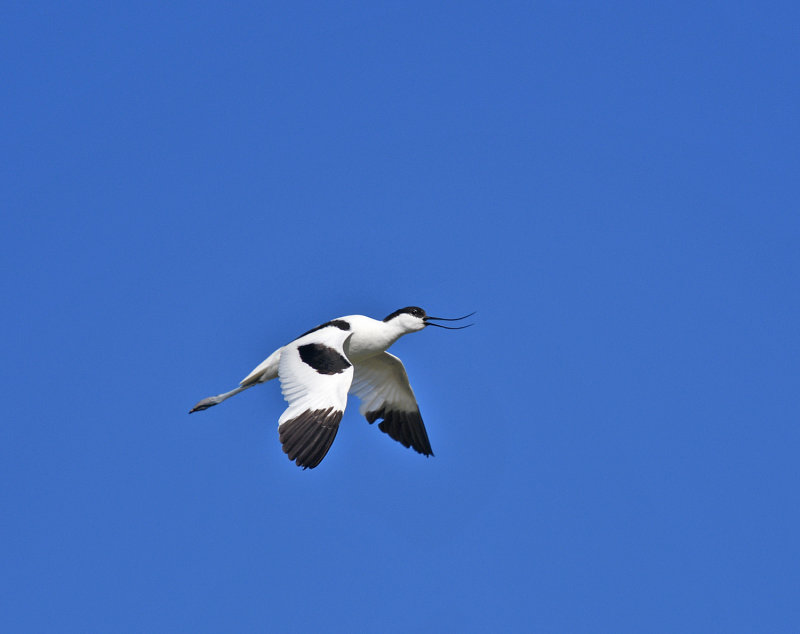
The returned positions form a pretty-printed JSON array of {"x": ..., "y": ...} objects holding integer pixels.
[
  {"x": 315, "y": 375},
  {"x": 382, "y": 385}
]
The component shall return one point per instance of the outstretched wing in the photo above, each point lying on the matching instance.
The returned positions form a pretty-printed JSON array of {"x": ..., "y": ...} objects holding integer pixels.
[
  {"x": 382, "y": 385},
  {"x": 315, "y": 375}
]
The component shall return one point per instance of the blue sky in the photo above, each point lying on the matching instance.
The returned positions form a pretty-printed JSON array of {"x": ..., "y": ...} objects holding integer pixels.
[{"x": 613, "y": 188}]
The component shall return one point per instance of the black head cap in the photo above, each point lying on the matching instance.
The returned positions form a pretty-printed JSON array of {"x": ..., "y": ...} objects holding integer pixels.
[{"x": 415, "y": 311}]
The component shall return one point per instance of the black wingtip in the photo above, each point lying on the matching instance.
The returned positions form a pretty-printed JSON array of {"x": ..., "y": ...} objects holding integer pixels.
[
  {"x": 307, "y": 438},
  {"x": 406, "y": 428}
]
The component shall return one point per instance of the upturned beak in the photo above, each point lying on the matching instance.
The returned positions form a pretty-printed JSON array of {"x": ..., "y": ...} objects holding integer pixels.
[{"x": 428, "y": 321}]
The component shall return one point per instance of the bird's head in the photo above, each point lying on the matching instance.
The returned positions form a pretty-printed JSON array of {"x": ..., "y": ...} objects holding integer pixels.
[{"x": 413, "y": 319}]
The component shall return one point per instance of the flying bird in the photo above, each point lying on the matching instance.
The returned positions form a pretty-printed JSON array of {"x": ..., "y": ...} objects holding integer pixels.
[{"x": 319, "y": 368}]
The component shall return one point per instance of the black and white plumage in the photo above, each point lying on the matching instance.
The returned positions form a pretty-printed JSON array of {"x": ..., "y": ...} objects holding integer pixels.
[
  {"x": 382, "y": 385},
  {"x": 318, "y": 369}
]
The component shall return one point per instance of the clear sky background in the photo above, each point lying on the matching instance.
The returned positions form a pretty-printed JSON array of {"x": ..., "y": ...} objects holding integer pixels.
[{"x": 186, "y": 187}]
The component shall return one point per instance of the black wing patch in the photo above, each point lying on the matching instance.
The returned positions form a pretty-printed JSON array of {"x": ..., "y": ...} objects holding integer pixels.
[
  {"x": 323, "y": 359},
  {"x": 307, "y": 438},
  {"x": 406, "y": 428},
  {"x": 341, "y": 324}
]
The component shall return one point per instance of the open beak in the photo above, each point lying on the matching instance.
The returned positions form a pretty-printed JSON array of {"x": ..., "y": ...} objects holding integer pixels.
[{"x": 428, "y": 322}]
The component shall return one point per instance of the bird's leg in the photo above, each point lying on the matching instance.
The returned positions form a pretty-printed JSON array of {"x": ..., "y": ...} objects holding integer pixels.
[{"x": 215, "y": 400}]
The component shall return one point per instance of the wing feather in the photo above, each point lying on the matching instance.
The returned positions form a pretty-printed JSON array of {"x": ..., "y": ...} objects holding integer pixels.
[
  {"x": 381, "y": 382},
  {"x": 315, "y": 375}
]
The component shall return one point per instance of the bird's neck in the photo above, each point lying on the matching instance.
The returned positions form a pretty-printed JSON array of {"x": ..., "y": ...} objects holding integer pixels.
[
  {"x": 371, "y": 336},
  {"x": 393, "y": 331}
]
